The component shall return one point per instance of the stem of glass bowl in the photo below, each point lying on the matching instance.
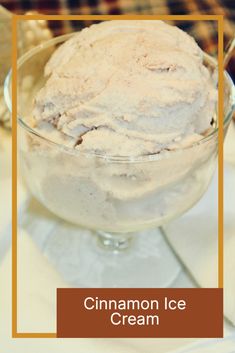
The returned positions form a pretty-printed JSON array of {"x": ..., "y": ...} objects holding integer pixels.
[{"x": 114, "y": 242}]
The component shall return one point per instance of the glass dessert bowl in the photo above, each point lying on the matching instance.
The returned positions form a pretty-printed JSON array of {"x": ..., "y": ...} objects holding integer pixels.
[{"x": 115, "y": 197}]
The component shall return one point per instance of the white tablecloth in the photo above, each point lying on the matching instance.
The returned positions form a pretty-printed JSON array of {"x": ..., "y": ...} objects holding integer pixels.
[{"x": 38, "y": 278}]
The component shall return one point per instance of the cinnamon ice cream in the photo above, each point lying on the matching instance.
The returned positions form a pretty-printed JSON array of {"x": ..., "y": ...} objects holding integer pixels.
[
  {"x": 126, "y": 88},
  {"x": 128, "y": 104}
]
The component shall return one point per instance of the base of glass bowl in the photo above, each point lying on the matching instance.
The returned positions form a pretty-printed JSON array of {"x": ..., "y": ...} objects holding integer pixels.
[{"x": 88, "y": 259}]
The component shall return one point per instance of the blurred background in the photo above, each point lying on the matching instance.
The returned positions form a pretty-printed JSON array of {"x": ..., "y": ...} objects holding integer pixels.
[{"x": 204, "y": 32}]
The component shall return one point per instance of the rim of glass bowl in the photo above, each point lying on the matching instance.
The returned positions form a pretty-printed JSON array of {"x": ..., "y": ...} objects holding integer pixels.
[{"x": 71, "y": 150}]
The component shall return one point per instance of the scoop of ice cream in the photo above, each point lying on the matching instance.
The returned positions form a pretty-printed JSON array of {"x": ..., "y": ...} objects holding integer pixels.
[{"x": 126, "y": 88}]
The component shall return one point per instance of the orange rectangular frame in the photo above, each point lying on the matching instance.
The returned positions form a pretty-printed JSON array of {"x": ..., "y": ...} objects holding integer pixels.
[{"x": 15, "y": 19}]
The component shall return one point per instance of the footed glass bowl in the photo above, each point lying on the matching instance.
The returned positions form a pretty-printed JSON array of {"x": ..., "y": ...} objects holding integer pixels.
[{"x": 115, "y": 197}]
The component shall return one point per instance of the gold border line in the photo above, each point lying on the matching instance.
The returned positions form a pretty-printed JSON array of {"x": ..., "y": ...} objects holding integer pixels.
[
  {"x": 121, "y": 17},
  {"x": 14, "y": 176},
  {"x": 220, "y": 152},
  {"x": 15, "y": 18},
  {"x": 35, "y": 335}
]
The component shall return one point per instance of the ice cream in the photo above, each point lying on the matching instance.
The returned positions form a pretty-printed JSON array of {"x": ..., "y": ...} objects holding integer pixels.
[
  {"x": 126, "y": 88},
  {"x": 122, "y": 99}
]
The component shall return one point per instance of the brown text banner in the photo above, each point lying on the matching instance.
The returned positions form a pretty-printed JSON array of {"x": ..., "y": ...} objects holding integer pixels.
[{"x": 139, "y": 312}]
